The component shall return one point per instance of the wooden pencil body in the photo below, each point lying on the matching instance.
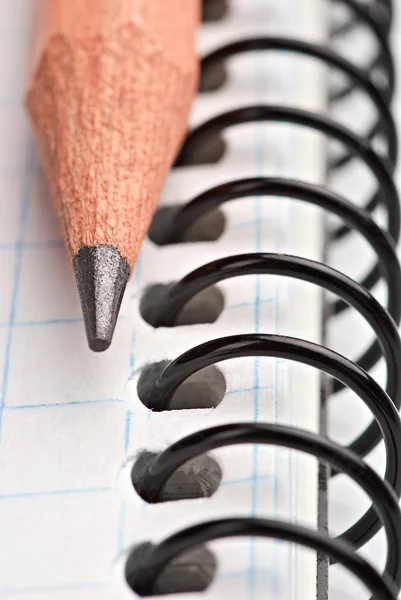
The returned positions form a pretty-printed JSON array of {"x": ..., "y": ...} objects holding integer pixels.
[{"x": 109, "y": 100}]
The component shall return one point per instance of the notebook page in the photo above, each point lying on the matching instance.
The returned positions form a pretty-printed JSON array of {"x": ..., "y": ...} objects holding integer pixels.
[{"x": 71, "y": 422}]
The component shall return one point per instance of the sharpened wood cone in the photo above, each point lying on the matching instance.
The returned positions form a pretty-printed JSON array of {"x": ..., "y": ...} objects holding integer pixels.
[{"x": 102, "y": 275}]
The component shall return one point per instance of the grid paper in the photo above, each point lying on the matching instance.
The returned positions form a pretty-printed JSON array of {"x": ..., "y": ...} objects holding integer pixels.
[{"x": 68, "y": 429}]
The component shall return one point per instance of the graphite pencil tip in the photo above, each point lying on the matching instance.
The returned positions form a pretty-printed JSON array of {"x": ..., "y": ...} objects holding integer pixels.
[{"x": 102, "y": 275}]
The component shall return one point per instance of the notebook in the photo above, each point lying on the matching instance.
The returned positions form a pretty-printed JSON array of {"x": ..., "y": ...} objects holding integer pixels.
[{"x": 78, "y": 430}]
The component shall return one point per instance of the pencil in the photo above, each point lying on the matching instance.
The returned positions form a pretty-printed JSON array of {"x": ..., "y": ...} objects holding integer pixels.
[{"x": 111, "y": 87}]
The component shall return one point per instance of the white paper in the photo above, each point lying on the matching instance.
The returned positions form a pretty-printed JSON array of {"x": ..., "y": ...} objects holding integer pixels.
[{"x": 72, "y": 424}]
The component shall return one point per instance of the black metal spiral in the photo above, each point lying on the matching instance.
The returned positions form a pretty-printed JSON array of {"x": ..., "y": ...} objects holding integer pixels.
[{"x": 384, "y": 405}]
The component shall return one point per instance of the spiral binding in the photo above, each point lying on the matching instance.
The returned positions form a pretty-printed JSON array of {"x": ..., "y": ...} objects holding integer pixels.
[{"x": 377, "y": 81}]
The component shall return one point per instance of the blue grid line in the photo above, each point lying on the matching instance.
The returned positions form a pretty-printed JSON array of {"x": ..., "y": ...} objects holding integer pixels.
[
  {"x": 128, "y": 417},
  {"x": 278, "y": 229},
  {"x": 252, "y": 389},
  {"x": 60, "y": 404},
  {"x": 259, "y": 158},
  {"x": 254, "y": 478},
  {"x": 61, "y": 321},
  {"x": 245, "y": 304},
  {"x": 17, "y": 272},
  {"x": 123, "y": 507},
  {"x": 246, "y": 479},
  {"x": 132, "y": 353},
  {"x": 65, "y": 492},
  {"x": 127, "y": 430},
  {"x": 108, "y": 489},
  {"x": 235, "y": 391}
]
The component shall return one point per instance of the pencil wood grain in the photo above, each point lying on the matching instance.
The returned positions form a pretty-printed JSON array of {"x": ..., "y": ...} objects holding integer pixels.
[{"x": 109, "y": 100}]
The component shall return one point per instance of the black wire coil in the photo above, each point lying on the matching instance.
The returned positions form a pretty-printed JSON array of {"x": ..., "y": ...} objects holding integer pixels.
[{"x": 384, "y": 494}]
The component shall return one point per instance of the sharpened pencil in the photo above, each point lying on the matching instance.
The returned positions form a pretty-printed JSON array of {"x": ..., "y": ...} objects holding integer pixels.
[{"x": 109, "y": 98}]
